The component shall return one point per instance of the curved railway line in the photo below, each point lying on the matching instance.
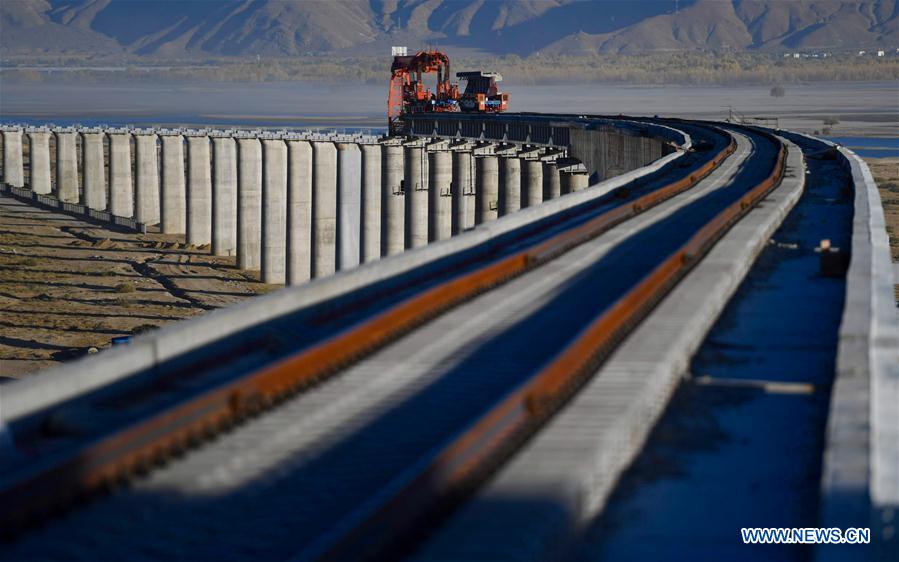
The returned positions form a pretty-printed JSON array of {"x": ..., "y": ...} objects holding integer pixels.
[{"x": 382, "y": 414}]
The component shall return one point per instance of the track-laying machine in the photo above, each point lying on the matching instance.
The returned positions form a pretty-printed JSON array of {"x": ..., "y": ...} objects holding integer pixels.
[{"x": 408, "y": 94}]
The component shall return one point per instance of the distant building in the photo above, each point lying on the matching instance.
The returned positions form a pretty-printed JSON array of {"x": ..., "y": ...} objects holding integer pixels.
[
  {"x": 795, "y": 55},
  {"x": 880, "y": 53},
  {"x": 861, "y": 53}
]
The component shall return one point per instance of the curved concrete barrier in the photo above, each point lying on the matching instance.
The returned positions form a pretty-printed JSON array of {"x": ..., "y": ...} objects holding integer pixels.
[{"x": 860, "y": 477}]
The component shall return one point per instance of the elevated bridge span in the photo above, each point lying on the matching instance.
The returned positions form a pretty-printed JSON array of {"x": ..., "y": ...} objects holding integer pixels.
[{"x": 389, "y": 404}]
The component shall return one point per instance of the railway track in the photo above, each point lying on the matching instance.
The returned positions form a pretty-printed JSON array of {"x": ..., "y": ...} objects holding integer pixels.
[{"x": 406, "y": 404}]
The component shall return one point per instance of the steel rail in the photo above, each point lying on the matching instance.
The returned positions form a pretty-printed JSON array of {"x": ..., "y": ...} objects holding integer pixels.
[
  {"x": 386, "y": 526},
  {"x": 51, "y": 484}
]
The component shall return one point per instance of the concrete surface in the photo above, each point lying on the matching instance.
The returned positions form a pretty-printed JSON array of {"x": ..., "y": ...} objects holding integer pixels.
[
  {"x": 349, "y": 201},
  {"x": 249, "y": 203},
  {"x": 121, "y": 179},
  {"x": 274, "y": 211},
  {"x": 173, "y": 204},
  {"x": 861, "y": 462},
  {"x": 39, "y": 161},
  {"x": 146, "y": 181},
  {"x": 324, "y": 209},
  {"x": 93, "y": 182},
  {"x": 561, "y": 479},
  {"x": 224, "y": 196},
  {"x": 13, "y": 165},
  {"x": 67, "y": 175},
  {"x": 199, "y": 191},
  {"x": 372, "y": 198},
  {"x": 299, "y": 212}
]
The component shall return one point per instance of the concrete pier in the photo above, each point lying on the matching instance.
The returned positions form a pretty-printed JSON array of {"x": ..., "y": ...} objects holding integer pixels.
[
  {"x": 224, "y": 196},
  {"x": 174, "y": 196},
  {"x": 299, "y": 212},
  {"x": 274, "y": 211},
  {"x": 463, "y": 190},
  {"x": 372, "y": 196},
  {"x": 67, "y": 166},
  {"x": 349, "y": 200},
  {"x": 509, "y": 185},
  {"x": 440, "y": 185},
  {"x": 93, "y": 181},
  {"x": 146, "y": 186},
  {"x": 249, "y": 206},
  {"x": 574, "y": 181},
  {"x": 13, "y": 165},
  {"x": 531, "y": 182},
  {"x": 416, "y": 184},
  {"x": 552, "y": 181},
  {"x": 324, "y": 210},
  {"x": 121, "y": 180},
  {"x": 39, "y": 157},
  {"x": 199, "y": 190},
  {"x": 394, "y": 201},
  {"x": 486, "y": 188}
]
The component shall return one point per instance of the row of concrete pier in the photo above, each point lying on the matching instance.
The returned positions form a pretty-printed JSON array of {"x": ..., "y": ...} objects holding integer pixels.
[{"x": 293, "y": 205}]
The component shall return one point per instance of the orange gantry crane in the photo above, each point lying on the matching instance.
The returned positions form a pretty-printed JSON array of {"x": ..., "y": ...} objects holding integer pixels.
[{"x": 408, "y": 94}]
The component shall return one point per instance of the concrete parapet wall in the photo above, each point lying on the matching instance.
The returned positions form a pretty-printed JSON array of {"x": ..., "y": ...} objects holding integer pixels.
[{"x": 860, "y": 480}]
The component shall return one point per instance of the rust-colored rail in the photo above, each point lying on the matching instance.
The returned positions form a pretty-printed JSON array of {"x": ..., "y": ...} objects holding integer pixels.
[
  {"x": 464, "y": 462},
  {"x": 50, "y": 484}
]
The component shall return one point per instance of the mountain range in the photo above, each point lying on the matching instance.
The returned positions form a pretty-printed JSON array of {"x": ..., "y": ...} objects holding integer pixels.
[{"x": 250, "y": 28}]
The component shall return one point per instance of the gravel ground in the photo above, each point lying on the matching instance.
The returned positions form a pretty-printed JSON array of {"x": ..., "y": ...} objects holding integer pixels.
[{"x": 67, "y": 285}]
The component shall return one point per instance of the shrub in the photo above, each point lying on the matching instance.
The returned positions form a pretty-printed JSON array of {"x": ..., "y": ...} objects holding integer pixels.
[{"x": 124, "y": 288}]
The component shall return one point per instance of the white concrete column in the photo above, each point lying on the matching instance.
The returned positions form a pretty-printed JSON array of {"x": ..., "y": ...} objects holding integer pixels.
[
  {"x": 249, "y": 207},
  {"x": 67, "y": 166},
  {"x": 146, "y": 192},
  {"x": 199, "y": 190},
  {"x": 174, "y": 197},
  {"x": 121, "y": 180},
  {"x": 532, "y": 183},
  {"x": 324, "y": 210},
  {"x": 274, "y": 211},
  {"x": 299, "y": 212},
  {"x": 463, "y": 191},
  {"x": 581, "y": 180},
  {"x": 440, "y": 185},
  {"x": 93, "y": 171},
  {"x": 552, "y": 182},
  {"x": 509, "y": 185},
  {"x": 486, "y": 188},
  {"x": 39, "y": 161},
  {"x": 371, "y": 202},
  {"x": 13, "y": 163},
  {"x": 393, "y": 232},
  {"x": 224, "y": 196},
  {"x": 574, "y": 181},
  {"x": 349, "y": 200},
  {"x": 416, "y": 183}
]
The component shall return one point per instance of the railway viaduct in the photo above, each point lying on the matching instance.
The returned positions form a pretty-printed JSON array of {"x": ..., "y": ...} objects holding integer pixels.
[{"x": 483, "y": 310}]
